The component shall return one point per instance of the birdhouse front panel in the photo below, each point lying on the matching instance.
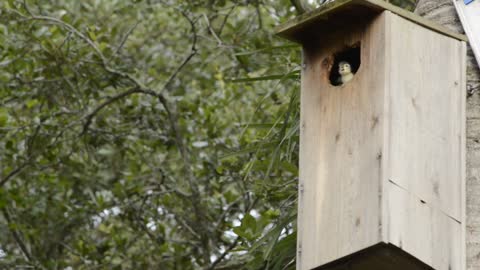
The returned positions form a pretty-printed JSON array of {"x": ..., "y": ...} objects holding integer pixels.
[{"x": 342, "y": 131}]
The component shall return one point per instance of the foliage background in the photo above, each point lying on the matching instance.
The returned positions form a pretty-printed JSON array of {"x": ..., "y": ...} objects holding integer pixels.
[{"x": 148, "y": 134}]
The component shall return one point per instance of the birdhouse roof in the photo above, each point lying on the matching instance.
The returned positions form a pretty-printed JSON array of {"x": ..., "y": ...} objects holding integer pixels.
[{"x": 343, "y": 13}]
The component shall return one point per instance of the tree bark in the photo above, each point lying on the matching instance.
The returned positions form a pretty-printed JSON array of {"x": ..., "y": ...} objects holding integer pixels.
[{"x": 443, "y": 12}]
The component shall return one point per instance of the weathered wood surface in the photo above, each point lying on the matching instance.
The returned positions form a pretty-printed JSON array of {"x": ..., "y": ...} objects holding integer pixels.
[
  {"x": 300, "y": 28},
  {"x": 340, "y": 146},
  {"x": 381, "y": 158},
  {"x": 470, "y": 17},
  {"x": 443, "y": 12},
  {"x": 425, "y": 144}
]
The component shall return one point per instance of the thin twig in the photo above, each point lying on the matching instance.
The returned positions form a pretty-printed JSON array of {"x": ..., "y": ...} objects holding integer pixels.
[
  {"x": 220, "y": 30},
  {"x": 219, "y": 41},
  {"x": 71, "y": 29},
  {"x": 111, "y": 100},
  {"x": 225, "y": 213},
  {"x": 17, "y": 237},
  {"x": 224, "y": 254},
  {"x": 124, "y": 39},
  {"x": 259, "y": 14},
  {"x": 14, "y": 173},
  {"x": 234, "y": 243}
]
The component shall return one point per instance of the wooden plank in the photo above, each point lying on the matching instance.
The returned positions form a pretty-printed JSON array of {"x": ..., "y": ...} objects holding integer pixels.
[
  {"x": 425, "y": 141},
  {"x": 463, "y": 151},
  {"x": 387, "y": 54},
  {"x": 425, "y": 115},
  {"x": 340, "y": 149},
  {"x": 424, "y": 231},
  {"x": 470, "y": 17},
  {"x": 347, "y": 12}
]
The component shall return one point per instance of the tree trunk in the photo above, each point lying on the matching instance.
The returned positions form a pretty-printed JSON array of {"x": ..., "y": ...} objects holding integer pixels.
[{"x": 443, "y": 12}]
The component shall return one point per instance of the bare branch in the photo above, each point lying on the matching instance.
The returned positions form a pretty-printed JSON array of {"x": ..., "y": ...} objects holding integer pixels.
[
  {"x": 14, "y": 173},
  {"x": 113, "y": 99},
  {"x": 224, "y": 254},
  {"x": 220, "y": 30},
  {"x": 259, "y": 14},
  {"x": 71, "y": 29},
  {"x": 17, "y": 237},
  {"x": 233, "y": 244},
  {"x": 124, "y": 39},
  {"x": 219, "y": 41}
]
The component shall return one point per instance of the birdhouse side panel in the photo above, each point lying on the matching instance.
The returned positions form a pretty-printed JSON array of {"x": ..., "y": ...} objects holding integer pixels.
[{"x": 425, "y": 142}]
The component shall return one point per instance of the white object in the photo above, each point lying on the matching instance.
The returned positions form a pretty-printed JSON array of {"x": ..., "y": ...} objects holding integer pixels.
[{"x": 470, "y": 16}]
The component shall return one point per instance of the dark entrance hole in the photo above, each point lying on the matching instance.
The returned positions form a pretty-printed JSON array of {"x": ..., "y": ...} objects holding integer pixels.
[{"x": 350, "y": 55}]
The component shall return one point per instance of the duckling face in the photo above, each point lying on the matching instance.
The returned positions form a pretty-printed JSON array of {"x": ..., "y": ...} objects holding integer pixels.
[{"x": 344, "y": 68}]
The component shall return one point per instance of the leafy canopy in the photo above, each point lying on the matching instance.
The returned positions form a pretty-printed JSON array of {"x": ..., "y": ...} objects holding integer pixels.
[
  {"x": 147, "y": 135},
  {"x": 154, "y": 134}
]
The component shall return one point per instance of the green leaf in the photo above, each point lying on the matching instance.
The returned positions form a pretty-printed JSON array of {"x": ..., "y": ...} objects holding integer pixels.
[
  {"x": 3, "y": 117},
  {"x": 92, "y": 35},
  {"x": 31, "y": 103},
  {"x": 106, "y": 151},
  {"x": 249, "y": 222}
]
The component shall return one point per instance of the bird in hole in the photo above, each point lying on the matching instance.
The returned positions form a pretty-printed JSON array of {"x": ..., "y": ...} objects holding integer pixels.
[{"x": 345, "y": 71}]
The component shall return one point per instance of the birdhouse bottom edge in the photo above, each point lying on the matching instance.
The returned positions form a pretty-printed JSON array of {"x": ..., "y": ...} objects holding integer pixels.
[{"x": 381, "y": 256}]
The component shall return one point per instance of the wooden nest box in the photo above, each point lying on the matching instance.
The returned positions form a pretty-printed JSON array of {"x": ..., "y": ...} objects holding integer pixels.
[{"x": 382, "y": 156}]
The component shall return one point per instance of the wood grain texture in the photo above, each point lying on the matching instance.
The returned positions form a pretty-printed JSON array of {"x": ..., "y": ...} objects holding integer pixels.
[
  {"x": 463, "y": 156},
  {"x": 340, "y": 149},
  {"x": 423, "y": 231},
  {"x": 425, "y": 121},
  {"x": 425, "y": 159},
  {"x": 443, "y": 12},
  {"x": 382, "y": 157}
]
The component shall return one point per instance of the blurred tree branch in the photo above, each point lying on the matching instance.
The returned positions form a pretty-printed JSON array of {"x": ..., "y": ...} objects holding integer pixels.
[
  {"x": 299, "y": 6},
  {"x": 18, "y": 238}
]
